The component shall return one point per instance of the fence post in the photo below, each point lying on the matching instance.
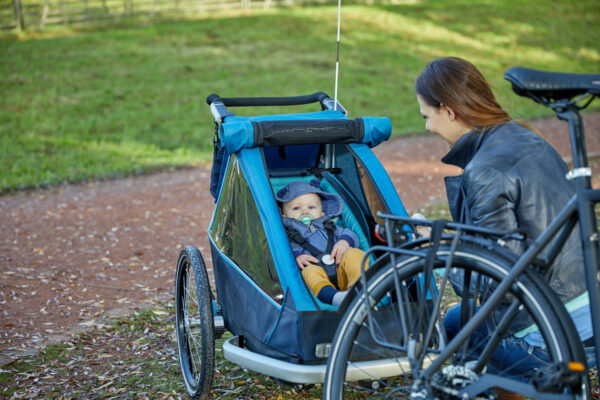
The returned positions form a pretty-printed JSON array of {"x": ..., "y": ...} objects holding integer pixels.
[
  {"x": 19, "y": 17},
  {"x": 63, "y": 10},
  {"x": 127, "y": 8},
  {"x": 44, "y": 14}
]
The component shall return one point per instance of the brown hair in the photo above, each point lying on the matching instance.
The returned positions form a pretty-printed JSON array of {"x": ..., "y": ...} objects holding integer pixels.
[{"x": 459, "y": 85}]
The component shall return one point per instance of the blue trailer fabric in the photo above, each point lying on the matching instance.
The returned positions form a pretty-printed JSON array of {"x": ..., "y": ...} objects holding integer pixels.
[
  {"x": 238, "y": 132},
  {"x": 282, "y": 332},
  {"x": 253, "y": 169},
  {"x": 289, "y": 276},
  {"x": 381, "y": 177},
  {"x": 286, "y": 331},
  {"x": 248, "y": 311},
  {"x": 377, "y": 130},
  {"x": 349, "y": 219},
  {"x": 296, "y": 157}
]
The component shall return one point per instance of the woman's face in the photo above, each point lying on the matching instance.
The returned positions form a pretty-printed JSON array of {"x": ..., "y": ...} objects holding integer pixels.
[{"x": 443, "y": 121}]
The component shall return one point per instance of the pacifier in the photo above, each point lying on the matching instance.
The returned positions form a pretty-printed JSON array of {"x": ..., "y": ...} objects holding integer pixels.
[{"x": 306, "y": 219}]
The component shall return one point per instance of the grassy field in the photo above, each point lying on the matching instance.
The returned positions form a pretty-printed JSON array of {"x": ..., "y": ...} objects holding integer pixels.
[{"x": 104, "y": 102}]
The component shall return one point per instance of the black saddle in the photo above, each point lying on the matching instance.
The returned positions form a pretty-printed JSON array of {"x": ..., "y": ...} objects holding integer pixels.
[{"x": 551, "y": 85}]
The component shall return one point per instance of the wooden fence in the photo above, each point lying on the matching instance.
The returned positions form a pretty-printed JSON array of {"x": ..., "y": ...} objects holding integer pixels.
[{"x": 29, "y": 14}]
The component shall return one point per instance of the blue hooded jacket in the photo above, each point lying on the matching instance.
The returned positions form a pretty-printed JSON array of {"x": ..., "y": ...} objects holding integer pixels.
[{"x": 315, "y": 233}]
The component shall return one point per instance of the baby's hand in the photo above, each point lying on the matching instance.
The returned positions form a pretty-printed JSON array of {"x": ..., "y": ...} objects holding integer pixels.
[
  {"x": 304, "y": 260},
  {"x": 424, "y": 231},
  {"x": 339, "y": 249}
]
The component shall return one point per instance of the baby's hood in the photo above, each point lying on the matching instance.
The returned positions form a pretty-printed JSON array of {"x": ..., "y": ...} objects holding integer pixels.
[{"x": 332, "y": 204}]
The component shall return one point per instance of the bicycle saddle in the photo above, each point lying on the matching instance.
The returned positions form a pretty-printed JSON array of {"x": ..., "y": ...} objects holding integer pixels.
[{"x": 551, "y": 85}]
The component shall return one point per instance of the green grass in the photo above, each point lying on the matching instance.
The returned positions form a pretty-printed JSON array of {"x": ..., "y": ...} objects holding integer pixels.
[{"x": 104, "y": 102}]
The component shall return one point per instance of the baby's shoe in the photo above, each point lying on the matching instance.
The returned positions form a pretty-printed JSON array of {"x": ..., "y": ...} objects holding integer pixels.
[{"x": 338, "y": 298}]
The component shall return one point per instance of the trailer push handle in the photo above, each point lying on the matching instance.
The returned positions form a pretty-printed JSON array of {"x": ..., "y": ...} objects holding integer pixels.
[{"x": 218, "y": 105}]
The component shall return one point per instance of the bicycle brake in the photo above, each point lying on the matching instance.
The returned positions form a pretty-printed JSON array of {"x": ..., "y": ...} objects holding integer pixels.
[{"x": 553, "y": 377}]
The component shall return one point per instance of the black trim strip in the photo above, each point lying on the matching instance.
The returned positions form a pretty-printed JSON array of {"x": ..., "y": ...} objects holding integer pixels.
[
  {"x": 267, "y": 101},
  {"x": 278, "y": 133}
]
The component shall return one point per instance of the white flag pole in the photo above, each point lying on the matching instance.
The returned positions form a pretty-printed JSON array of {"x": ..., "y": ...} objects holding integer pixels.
[{"x": 337, "y": 57}]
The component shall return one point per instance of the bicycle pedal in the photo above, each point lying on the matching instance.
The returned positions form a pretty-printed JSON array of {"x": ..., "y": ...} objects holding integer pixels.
[{"x": 554, "y": 377}]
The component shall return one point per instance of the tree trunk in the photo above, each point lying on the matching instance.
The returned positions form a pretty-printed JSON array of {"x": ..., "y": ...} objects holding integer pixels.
[{"x": 19, "y": 17}]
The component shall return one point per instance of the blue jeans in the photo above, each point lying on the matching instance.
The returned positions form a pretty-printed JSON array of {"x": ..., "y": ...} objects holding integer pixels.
[
  {"x": 513, "y": 356},
  {"x": 590, "y": 355}
]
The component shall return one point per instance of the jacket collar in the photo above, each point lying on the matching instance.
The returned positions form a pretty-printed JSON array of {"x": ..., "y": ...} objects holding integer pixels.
[{"x": 465, "y": 147}]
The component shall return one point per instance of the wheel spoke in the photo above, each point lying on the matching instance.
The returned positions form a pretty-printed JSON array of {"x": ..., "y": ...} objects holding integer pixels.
[
  {"x": 195, "y": 355},
  {"x": 430, "y": 313},
  {"x": 191, "y": 310},
  {"x": 194, "y": 323},
  {"x": 192, "y": 295}
]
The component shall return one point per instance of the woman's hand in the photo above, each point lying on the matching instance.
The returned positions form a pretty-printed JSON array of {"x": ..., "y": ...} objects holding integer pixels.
[
  {"x": 304, "y": 260},
  {"x": 339, "y": 249}
]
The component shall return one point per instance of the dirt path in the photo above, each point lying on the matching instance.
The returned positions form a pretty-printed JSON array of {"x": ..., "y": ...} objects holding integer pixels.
[{"x": 75, "y": 255}]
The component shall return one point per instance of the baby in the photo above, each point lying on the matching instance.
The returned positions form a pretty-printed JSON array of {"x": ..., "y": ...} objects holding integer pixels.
[{"x": 317, "y": 243}]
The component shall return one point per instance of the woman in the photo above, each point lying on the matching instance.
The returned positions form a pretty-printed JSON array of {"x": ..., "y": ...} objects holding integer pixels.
[{"x": 512, "y": 178}]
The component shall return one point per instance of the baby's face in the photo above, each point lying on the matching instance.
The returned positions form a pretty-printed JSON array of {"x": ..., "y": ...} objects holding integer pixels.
[{"x": 309, "y": 203}]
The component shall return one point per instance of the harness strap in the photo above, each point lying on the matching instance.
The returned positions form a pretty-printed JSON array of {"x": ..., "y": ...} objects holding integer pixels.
[
  {"x": 295, "y": 236},
  {"x": 330, "y": 229},
  {"x": 330, "y": 270}
]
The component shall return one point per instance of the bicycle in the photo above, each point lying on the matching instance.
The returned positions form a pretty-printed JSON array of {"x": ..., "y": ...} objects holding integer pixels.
[{"x": 503, "y": 299}]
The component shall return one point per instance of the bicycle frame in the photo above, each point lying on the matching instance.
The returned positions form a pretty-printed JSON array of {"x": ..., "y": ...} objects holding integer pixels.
[
  {"x": 580, "y": 209},
  {"x": 586, "y": 199}
]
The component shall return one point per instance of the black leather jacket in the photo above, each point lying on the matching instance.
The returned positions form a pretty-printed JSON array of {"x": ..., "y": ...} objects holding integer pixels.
[{"x": 512, "y": 179}]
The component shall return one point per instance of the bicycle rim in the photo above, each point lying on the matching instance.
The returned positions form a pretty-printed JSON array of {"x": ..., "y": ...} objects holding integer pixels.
[
  {"x": 408, "y": 335},
  {"x": 194, "y": 323}
]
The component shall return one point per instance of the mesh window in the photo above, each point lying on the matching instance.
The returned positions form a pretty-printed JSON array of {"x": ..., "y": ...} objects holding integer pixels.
[
  {"x": 357, "y": 179},
  {"x": 238, "y": 232}
]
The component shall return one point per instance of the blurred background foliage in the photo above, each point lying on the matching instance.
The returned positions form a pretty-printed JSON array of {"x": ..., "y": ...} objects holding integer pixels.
[{"x": 88, "y": 102}]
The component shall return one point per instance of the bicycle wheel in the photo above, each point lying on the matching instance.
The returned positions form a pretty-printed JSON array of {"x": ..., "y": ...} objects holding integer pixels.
[
  {"x": 404, "y": 329},
  {"x": 194, "y": 323}
]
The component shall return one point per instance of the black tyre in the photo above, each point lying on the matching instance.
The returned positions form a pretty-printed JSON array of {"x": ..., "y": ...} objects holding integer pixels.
[
  {"x": 194, "y": 323},
  {"x": 410, "y": 332}
]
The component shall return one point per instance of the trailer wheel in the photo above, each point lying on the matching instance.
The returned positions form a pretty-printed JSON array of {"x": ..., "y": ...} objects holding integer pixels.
[{"x": 194, "y": 323}]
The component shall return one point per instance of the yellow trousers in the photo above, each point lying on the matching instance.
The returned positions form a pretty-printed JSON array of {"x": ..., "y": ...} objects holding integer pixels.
[{"x": 348, "y": 272}]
